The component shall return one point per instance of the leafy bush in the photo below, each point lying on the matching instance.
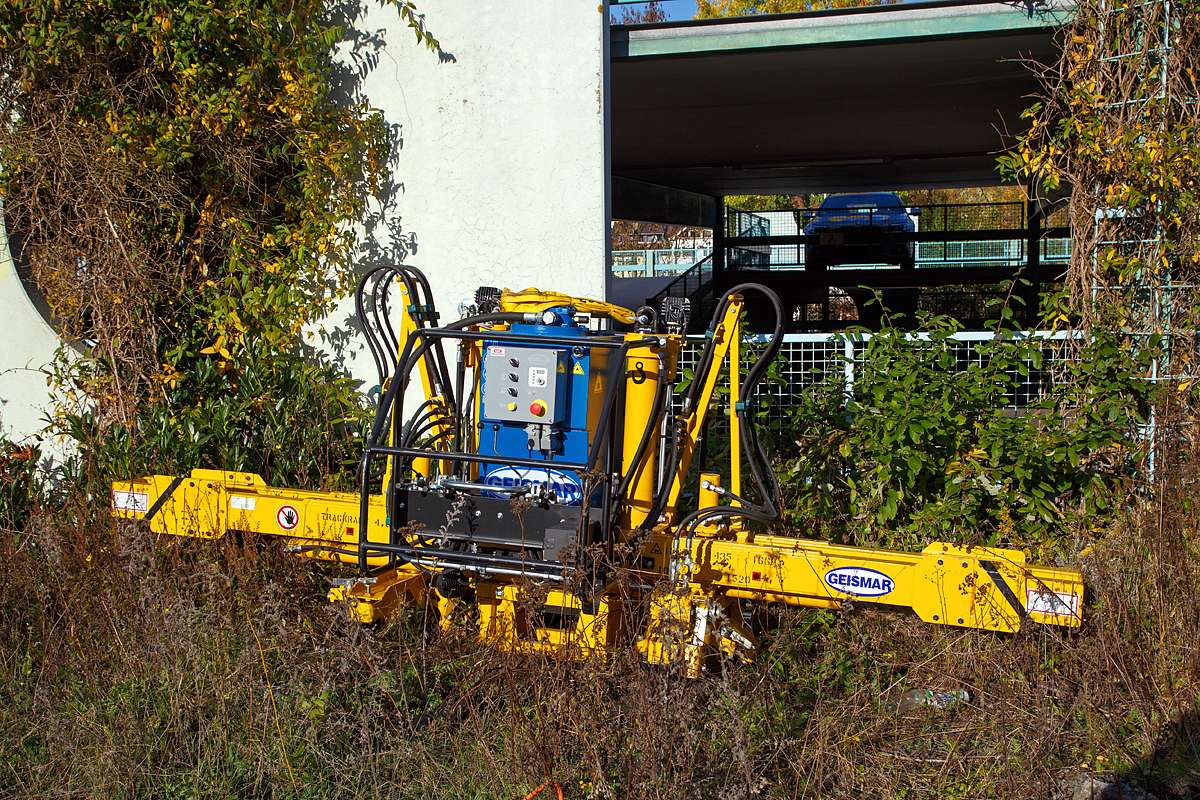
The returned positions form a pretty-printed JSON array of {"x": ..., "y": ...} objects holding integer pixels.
[
  {"x": 187, "y": 175},
  {"x": 22, "y": 488},
  {"x": 293, "y": 422},
  {"x": 930, "y": 449}
]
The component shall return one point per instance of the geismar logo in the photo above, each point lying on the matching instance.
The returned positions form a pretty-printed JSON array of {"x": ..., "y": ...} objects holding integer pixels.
[
  {"x": 859, "y": 581},
  {"x": 567, "y": 488}
]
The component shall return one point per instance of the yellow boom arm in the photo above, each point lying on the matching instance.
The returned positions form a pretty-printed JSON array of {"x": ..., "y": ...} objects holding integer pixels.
[{"x": 693, "y": 573}]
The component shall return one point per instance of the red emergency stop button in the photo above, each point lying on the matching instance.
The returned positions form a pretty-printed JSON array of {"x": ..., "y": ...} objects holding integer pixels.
[{"x": 537, "y": 408}]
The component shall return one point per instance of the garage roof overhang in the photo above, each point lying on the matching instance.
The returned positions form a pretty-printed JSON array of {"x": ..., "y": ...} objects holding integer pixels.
[{"x": 919, "y": 95}]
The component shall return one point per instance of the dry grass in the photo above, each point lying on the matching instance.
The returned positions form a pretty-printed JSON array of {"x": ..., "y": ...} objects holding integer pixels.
[{"x": 138, "y": 667}]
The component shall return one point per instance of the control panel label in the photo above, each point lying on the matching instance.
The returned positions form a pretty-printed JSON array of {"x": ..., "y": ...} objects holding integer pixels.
[
  {"x": 1045, "y": 601},
  {"x": 523, "y": 385},
  {"x": 859, "y": 581},
  {"x": 569, "y": 492},
  {"x": 131, "y": 501}
]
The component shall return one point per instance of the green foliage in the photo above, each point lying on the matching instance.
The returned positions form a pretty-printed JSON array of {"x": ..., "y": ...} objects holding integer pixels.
[
  {"x": 185, "y": 177},
  {"x": 772, "y": 202},
  {"x": 929, "y": 448},
  {"x": 1115, "y": 127},
  {"x": 22, "y": 488},
  {"x": 184, "y": 174},
  {"x": 292, "y": 422}
]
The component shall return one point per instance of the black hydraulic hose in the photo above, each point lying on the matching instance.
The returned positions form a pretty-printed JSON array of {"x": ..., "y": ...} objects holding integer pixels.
[
  {"x": 751, "y": 445},
  {"x": 438, "y": 438},
  {"x": 610, "y": 398},
  {"x": 417, "y": 433},
  {"x": 380, "y": 292},
  {"x": 434, "y": 357},
  {"x": 703, "y": 363},
  {"x": 756, "y": 454},
  {"x": 386, "y": 312},
  {"x": 320, "y": 548},
  {"x": 429, "y": 315},
  {"x": 660, "y": 499},
  {"x": 460, "y": 378},
  {"x": 699, "y": 377},
  {"x": 394, "y": 392},
  {"x": 417, "y": 418},
  {"x": 651, "y": 425},
  {"x": 360, "y": 312},
  {"x": 373, "y": 344},
  {"x": 464, "y": 421},
  {"x": 379, "y": 288},
  {"x": 418, "y": 321},
  {"x": 382, "y": 414},
  {"x": 693, "y": 520},
  {"x": 706, "y": 355}
]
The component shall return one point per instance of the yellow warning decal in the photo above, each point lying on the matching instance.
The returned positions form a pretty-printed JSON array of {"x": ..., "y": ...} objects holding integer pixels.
[
  {"x": 578, "y": 369},
  {"x": 561, "y": 369}
]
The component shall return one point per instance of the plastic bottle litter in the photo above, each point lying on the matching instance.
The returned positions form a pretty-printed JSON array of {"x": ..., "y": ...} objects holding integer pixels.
[{"x": 915, "y": 698}]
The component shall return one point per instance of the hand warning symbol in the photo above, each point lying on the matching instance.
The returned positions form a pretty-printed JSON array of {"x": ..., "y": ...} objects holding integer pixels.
[{"x": 287, "y": 517}]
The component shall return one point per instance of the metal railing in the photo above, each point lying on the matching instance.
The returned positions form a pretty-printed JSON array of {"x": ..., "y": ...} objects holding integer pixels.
[
  {"x": 980, "y": 240},
  {"x": 696, "y": 285},
  {"x": 943, "y": 217},
  {"x": 650, "y": 263}
]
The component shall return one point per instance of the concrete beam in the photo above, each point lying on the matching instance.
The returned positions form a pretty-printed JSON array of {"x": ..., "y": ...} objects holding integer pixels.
[
  {"x": 499, "y": 168},
  {"x": 638, "y": 201},
  {"x": 834, "y": 27},
  {"x": 905, "y": 96}
]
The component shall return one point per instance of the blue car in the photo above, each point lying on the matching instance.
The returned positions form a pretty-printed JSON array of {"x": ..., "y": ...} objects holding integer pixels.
[{"x": 868, "y": 212}]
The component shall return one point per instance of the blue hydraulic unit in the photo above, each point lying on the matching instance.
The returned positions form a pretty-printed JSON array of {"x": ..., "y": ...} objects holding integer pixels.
[{"x": 541, "y": 402}]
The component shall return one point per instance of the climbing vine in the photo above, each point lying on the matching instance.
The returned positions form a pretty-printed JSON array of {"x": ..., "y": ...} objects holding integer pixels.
[
  {"x": 182, "y": 177},
  {"x": 1115, "y": 133}
]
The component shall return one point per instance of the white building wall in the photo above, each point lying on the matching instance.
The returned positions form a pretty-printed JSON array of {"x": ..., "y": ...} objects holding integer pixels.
[
  {"x": 502, "y": 158},
  {"x": 501, "y": 171},
  {"x": 27, "y": 346}
]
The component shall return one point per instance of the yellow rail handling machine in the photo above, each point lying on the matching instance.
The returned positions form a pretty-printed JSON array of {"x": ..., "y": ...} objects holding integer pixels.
[{"x": 542, "y": 487}]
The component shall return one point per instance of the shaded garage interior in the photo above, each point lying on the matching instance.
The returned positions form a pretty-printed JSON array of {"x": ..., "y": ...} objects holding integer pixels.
[{"x": 912, "y": 96}]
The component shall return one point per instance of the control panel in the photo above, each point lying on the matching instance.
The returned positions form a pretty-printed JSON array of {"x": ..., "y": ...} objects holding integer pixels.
[{"x": 523, "y": 384}]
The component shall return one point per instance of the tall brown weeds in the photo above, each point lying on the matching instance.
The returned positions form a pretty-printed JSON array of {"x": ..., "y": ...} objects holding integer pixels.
[{"x": 144, "y": 667}]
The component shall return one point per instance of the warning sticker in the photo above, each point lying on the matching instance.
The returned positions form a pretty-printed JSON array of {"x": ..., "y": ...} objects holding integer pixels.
[
  {"x": 287, "y": 517},
  {"x": 1044, "y": 601},
  {"x": 131, "y": 501},
  {"x": 241, "y": 503},
  {"x": 578, "y": 369}
]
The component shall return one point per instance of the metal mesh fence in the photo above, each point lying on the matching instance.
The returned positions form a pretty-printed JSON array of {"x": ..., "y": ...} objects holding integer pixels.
[{"x": 806, "y": 361}]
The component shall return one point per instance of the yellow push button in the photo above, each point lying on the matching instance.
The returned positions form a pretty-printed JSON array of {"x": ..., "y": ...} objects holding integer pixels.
[{"x": 512, "y": 406}]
